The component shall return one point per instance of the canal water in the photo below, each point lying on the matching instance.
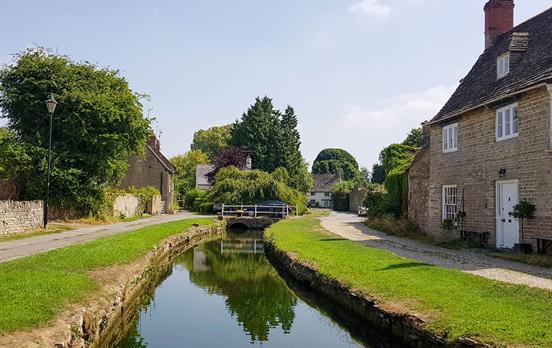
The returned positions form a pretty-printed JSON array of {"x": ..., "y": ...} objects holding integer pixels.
[{"x": 225, "y": 293}]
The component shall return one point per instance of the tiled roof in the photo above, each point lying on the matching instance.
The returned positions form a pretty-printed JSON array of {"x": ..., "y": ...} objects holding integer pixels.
[
  {"x": 324, "y": 182},
  {"x": 530, "y": 47},
  {"x": 162, "y": 159},
  {"x": 201, "y": 174}
]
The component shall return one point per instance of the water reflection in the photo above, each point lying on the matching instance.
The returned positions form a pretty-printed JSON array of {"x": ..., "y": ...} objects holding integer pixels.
[
  {"x": 236, "y": 269},
  {"x": 226, "y": 294}
]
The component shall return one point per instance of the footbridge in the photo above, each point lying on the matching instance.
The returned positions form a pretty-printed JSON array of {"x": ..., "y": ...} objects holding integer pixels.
[{"x": 255, "y": 217}]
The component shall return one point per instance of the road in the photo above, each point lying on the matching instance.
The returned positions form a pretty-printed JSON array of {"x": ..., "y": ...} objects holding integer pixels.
[
  {"x": 34, "y": 245},
  {"x": 350, "y": 226}
]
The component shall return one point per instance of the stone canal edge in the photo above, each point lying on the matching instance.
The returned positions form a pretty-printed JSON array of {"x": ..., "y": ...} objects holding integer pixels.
[
  {"x": 107, "y": 316},
  {"x": 409, "y": 329}
]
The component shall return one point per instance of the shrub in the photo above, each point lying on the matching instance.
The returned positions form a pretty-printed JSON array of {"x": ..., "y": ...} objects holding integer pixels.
[{"x": 402, "y": 227}]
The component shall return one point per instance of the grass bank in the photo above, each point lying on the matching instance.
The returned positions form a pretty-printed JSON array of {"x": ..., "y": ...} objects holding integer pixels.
[
  {"x": 33, "y": 290},
  {"x": 454, "y": 303},
  {"x": 53, "y": 228}
]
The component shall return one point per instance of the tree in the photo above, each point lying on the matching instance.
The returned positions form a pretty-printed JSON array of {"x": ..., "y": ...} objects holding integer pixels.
[
  {"x": 213, "y": 140},
  {"x": 336, "y": 161},
  {"x": 259, "y": 133},
  {"x": 415, "y": 138},
  {"x": 378, "y": 174},
  {"x": 395, "y": 155},
  {"x": 232, "y": 156},
  {"x": 98, "y": 125},
  {"x": 273, "y": 141},
  {"x": 185, "y": 175}
]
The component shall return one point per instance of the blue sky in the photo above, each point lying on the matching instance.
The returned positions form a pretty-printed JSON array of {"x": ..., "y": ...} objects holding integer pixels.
[{"x": 360, "y": 73}]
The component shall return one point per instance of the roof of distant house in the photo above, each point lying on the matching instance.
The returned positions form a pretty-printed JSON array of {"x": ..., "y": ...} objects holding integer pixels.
[
  {"x": 324, "y": 182},
  {"x": 201, "y": 174},
  {"x": 530, "y": 47}
]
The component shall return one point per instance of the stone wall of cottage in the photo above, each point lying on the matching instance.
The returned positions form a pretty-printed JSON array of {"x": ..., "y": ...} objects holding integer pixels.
[
  {"x": 475, "y": 167},
  {"x": 17, "y": 217},
  {"x": 418, "y": 190},
  {"x": 147, "y": 171}
]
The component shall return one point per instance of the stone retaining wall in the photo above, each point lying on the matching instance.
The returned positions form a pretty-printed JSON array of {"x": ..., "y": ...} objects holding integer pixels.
[
  {"x": 407, "y": 328},
  {"x": 17, "y": 217}
]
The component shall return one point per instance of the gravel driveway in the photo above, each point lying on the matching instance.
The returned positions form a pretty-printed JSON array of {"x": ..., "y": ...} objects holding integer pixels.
[
  {"x": 39, "y": 244},
  {"x": 350, "y": 226}
]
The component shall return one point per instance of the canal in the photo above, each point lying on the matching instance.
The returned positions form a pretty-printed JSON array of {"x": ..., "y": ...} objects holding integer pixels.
[{"x": 225, "y": 293}]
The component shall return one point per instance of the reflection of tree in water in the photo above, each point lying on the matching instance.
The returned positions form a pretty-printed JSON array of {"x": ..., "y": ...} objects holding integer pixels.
[
  {"x": 132, "y": 339},
  {"x": 254, "y": 292}
]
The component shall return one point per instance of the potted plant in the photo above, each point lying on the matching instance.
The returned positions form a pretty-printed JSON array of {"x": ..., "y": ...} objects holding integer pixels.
[{"x": 523, "y": 210}]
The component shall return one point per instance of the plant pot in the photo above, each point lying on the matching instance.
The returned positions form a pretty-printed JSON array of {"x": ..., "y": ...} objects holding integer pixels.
[{"x": 524, "y": 248}]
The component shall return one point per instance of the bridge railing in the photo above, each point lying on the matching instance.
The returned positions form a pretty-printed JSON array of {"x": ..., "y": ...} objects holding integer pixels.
[{"x": 281, "y": 211}]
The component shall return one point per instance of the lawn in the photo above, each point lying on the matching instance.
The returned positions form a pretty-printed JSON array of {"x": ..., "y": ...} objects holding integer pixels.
[
  {"x": 33, "y": 290},
  {"x": 458, "y": 304}
]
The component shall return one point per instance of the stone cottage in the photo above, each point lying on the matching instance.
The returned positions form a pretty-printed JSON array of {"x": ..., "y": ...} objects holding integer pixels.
[
  {"x": 490, "y": 146},
  {"x": 151, "y": 169}
]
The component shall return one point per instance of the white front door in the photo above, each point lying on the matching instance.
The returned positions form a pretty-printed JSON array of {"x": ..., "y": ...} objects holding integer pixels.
[{"x": 507, "y": 228}]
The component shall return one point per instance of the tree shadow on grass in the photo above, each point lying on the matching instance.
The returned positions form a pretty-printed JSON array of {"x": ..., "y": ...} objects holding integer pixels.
[{"x": 405, "y": 265}]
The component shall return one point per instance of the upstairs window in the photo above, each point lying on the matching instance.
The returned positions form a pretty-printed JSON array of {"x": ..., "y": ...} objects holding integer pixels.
[
  {"x": 502, "y": 65},
  {"x": 507, "y": 122},
  {"x": 450, "y": 138}
]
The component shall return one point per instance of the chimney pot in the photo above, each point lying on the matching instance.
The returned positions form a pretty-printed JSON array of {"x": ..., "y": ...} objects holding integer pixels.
[{"x": 499, "y": 18}]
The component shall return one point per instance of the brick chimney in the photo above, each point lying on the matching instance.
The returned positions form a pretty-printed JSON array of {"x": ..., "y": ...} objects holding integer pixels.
[
  {"x": 154, "y": 143},
  {"x": 499, "y": 18}
]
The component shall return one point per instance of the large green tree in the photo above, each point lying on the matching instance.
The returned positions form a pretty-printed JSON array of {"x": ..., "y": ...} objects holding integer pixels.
[
  {"x": 336, "y": 161},
  {"x": 273, "y": 141},
  {"x": 185, "y": 175},
  {"x": 213, "y": 140},
  {"x": 415, "y": 138},
  {"x": 98, "y": 125}
]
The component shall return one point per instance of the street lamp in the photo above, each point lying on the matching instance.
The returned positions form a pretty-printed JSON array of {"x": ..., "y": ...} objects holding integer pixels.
[{"x": 51, "y": 104}]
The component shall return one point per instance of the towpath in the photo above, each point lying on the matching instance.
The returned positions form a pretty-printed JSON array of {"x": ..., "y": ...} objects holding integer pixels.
[
  {"x": 351, "y": 227},
  {"x": 39, "y": 244}
]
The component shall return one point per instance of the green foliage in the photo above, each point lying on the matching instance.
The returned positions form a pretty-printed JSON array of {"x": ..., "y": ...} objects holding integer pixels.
[
  {"x": 35, "y": 289},
  {"x": 98, "y": 125},
  {"x": 455, "y": 304},
  {"x": 395, "y": 155},
  {"x": 378, "y": 174},
  {"x": 185, "y": 175},
  {"x": 340, "y": 195},
  {"x": 336, "y": 161},
  {"x": 396, "y": 185},
  {"x": 523, "y": 210},
  {"x": 415, "y": 138},
  {"x": 273, "y": 140},
  {"x": 233, "y": 186},
  {"x": 213, "y": 140}
]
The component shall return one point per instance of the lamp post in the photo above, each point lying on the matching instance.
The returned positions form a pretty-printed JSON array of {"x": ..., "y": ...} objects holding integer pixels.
[{"x": 51, "y": 104}]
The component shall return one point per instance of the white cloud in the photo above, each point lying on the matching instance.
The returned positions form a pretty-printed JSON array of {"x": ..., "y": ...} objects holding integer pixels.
[
  {"x": 406, "y": 109},
  {"x": 371, "y": 7}
]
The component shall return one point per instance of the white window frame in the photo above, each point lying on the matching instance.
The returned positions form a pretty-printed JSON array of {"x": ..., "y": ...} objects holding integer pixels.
[
  {"x": 507, "y": 122},
  {"x": 503, "y": 66},
  {"x": 450, "y": 138},
  {"x": 448, "y": 203}
]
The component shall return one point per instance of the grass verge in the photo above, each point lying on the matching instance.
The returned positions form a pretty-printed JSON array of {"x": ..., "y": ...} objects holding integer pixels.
[
  {"x": 33, "y": 290},
  {"x": 454, "y": 303}
]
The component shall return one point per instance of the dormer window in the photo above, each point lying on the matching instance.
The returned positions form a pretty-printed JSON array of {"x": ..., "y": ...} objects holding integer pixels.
[{"x": 503, "y": 65}]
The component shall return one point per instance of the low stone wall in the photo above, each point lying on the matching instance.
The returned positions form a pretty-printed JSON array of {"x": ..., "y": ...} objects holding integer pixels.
[
  {"x": 407, "y": 328},
  {"x": 127, "y": 206},
  {"x": 17, "y": 217}
]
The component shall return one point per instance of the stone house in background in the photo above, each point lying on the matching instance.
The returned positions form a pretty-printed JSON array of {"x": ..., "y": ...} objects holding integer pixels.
[
  {"x": 320, "y": 195},
  {"x": 490, "y": 146},
  {"x": 202, "y": 170},
  {"x": 151, "y": 169}
]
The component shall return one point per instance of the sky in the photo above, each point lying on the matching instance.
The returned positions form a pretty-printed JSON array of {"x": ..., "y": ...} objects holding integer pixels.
[{"x": 359, "y": 73}]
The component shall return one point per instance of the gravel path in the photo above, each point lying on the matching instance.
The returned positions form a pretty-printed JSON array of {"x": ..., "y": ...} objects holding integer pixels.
[
  {"x": 350, "y": 226},
  {"x": 39, "y": 244}
]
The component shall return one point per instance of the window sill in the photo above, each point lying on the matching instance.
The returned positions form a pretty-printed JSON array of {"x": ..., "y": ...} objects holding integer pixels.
[
  {"x": 507, "y": 138},
  {"x": 450, "y": 151}
]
